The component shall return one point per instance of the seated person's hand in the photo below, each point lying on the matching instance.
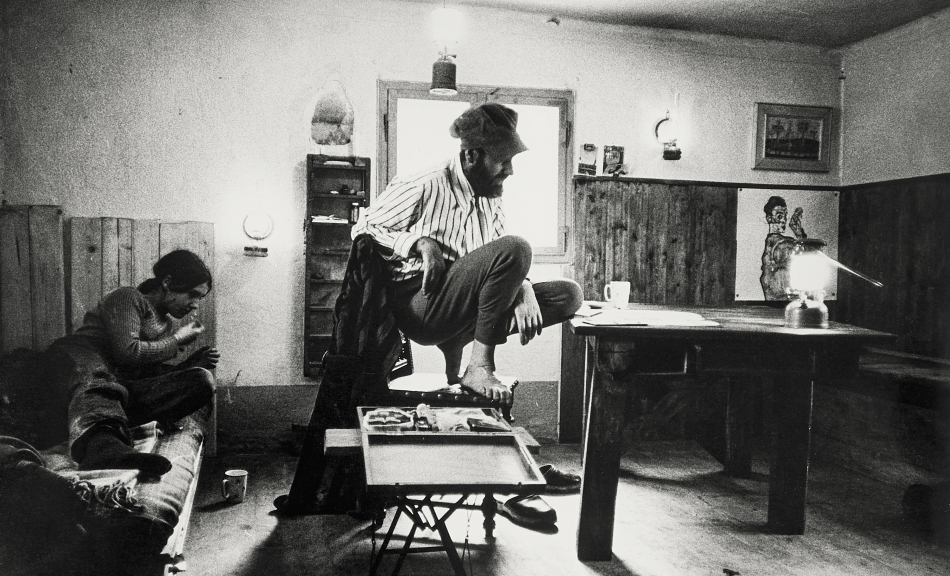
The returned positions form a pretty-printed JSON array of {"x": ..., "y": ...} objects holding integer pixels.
[
  {"x": 528, "y": 318},
  {"x": 433, "y": 265},
  {"x": 204, "y": 357},
  {"x": 189, "y": 333}
]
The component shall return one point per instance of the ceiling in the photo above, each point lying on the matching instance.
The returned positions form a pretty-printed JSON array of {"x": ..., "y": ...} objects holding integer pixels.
[{"x": 825, "y": 23}]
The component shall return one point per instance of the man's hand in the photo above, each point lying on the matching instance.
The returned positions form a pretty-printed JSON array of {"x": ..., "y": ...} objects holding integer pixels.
[
  {"x": 433, "y": 266},
  {"x": 527, "y": 313},
  {"x": 204, "y": 357}
]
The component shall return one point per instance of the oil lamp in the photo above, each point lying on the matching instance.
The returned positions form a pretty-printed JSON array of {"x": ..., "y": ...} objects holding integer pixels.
[
  {"x": 809, "y": 271},
  {"x": 808, "y": 274}
]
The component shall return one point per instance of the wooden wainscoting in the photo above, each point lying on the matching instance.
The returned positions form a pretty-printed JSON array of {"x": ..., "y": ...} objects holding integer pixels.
[
  {"x": 32, "y": 303},
  {"x": 898, "y": 233}
]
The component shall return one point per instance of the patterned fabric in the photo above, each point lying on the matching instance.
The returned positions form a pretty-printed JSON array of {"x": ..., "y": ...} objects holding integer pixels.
[
  {"x": 437, "y": 203},
  {"x": 128, "y": 330},
  {"x": 106, "y": 499}
]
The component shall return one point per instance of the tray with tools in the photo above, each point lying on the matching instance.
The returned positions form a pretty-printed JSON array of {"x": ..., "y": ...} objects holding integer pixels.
[{"x": 444, "y": 450}]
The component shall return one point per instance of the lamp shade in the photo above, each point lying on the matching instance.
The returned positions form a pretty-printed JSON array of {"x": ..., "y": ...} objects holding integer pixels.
[{"x": 443, "y": 77}]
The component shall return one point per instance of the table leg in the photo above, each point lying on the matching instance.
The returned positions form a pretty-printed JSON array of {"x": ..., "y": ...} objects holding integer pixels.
[
  {"x": 385, "y": 545},
  {"x": 603, "y": 447},
  {"x": 449, "y": 545},
  {"x": 738, "y": 434},
  {"x": 788, "y": 476},
  {"x": 588, "y": 380},
  {"x": 489, "y": 508}
]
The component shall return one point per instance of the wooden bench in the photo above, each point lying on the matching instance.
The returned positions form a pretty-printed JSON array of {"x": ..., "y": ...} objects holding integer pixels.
[
  {"x": 889, "y": 421},
  {"x": 912, "y": 379}
]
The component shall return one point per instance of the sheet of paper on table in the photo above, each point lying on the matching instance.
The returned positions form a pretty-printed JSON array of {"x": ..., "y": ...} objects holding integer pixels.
[{"x": 615, "y": 317}]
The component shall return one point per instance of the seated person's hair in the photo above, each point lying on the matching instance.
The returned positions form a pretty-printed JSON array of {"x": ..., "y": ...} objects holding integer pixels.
[{"x": 184, "y": 269}]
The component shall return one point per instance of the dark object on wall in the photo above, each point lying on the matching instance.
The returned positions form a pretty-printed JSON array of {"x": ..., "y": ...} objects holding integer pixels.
[
  {"x": 613, "y": 159},
  {"x": 332, "y": 122},
  {"x": 795, "y": 138},
  {"x": 587, "y": 163}
]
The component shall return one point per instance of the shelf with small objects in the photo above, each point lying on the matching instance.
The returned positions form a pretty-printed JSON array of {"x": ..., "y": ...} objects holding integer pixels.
[{"x": 337, "y": 188}]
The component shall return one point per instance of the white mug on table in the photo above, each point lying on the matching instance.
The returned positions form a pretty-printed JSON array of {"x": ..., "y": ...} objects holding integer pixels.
[
  {"x": 234, "y": 486},
  {"x": 617, "y": 293}
]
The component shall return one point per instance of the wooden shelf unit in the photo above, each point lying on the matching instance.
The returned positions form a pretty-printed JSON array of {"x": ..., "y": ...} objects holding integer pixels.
[{"x": 328, "y": 244}]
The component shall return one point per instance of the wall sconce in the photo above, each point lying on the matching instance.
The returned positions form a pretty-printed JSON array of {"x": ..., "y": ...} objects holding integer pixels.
[
  {"x": 809, "y": 271},
  {"x": 257, "y": 226},
  {"x": 666, "y": 134},
  {"x": 446, "y": 27}
]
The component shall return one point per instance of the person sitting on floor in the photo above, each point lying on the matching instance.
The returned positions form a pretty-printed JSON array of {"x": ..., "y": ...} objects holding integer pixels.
[
  {"x": 113, "y": 366},
  {"x": 456, "y": 277}
]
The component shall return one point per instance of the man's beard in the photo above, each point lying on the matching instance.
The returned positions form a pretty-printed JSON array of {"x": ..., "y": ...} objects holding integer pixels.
[{"x": 483, "y": 184}]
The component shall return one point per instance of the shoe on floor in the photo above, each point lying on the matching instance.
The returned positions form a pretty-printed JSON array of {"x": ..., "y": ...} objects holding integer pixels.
[
  {"x": 528, "y": 510},
  {"x": 560, "y": 482}
]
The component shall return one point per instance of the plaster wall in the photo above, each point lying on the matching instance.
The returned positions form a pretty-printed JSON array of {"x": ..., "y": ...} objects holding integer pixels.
[
  {"x": 896, "y": 120},
  {"x": 200, "y": 110}
]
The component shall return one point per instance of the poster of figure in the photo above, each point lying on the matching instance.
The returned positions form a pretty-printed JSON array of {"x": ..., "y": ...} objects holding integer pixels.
[{"x": 769, "y": 222}]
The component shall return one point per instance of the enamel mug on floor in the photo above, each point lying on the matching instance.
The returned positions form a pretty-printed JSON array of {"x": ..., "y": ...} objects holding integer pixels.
[{"x": 234, "y": 486}]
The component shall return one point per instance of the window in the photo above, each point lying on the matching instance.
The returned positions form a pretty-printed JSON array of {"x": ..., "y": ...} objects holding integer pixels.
[{"x": 415, "y": 134}]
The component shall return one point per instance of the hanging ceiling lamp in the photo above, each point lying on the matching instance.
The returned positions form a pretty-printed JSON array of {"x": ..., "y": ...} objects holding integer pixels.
[{"x": 446, "y": 24}]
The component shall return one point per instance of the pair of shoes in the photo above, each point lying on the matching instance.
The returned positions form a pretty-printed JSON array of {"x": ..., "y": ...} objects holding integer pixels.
[
  {"x": 560, "y": 482},
  {"x": 528, "y": 510}
]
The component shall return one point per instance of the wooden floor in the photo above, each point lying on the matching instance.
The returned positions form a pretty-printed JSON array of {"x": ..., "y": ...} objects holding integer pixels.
[{"x": 677, "y": 515}]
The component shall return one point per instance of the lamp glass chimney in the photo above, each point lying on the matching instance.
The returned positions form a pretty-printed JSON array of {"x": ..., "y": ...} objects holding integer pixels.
[
  {"x": 446, "y": 28},
  {"x": 808, "y": 271}
]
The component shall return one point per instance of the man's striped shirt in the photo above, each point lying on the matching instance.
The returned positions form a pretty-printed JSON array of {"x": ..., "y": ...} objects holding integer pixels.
[{"x": 437, "y": 203}]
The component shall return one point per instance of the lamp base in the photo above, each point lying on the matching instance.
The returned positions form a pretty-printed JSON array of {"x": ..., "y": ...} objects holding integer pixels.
[{"x": 806, "y": 313}]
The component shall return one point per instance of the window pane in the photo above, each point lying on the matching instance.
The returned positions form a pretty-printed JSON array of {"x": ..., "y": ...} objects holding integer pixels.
[
  {"x": 531, "y": 194},
  {"x": 422, "y": 132}
]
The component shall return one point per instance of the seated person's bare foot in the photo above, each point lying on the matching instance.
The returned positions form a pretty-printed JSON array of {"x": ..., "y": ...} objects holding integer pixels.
[{"x": 481, "y": 380}]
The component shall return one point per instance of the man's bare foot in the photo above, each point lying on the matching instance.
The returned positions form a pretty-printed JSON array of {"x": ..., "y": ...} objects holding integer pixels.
[{"x": 481, "y": 380}]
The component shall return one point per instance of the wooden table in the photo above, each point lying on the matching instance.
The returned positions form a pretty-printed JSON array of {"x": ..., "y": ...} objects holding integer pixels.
[{"x": 747, "y": 340}]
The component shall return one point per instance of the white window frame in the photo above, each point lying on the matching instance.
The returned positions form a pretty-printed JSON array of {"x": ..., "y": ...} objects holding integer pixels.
[{"x": 389, "y": 92}]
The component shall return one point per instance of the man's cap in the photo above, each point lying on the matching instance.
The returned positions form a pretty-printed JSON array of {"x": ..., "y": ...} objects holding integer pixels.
[{"x": 491, "y": 127}]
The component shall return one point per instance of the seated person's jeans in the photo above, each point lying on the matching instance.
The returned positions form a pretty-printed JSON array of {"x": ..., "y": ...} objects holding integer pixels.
[{"x": 103, "y": 394}]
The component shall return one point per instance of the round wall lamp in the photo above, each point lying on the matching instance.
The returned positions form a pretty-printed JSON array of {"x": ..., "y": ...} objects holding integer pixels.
[{"x": 258, "y": 225}]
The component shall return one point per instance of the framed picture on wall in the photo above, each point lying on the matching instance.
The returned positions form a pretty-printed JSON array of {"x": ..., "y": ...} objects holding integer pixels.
[{"x": 794, "y": 138}]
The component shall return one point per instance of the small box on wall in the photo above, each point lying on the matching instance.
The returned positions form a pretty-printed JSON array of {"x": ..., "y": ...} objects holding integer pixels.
[
  {"x": 587, "y": 163},
  {"x": 613, "y": 160}
]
